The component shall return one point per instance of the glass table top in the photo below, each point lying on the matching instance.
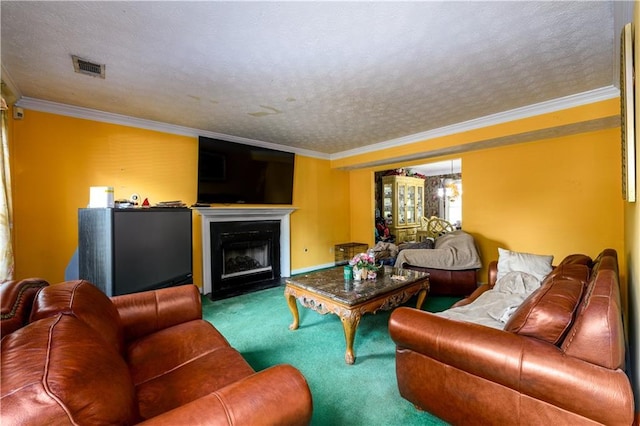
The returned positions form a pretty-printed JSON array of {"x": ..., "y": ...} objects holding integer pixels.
[{"x": 331, "y": 283}]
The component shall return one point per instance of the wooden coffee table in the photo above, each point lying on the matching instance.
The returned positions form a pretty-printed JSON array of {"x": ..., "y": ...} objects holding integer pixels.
[{"x": 327, "y": 291}]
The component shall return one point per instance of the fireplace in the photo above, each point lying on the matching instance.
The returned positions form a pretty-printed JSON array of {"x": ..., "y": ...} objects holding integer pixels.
[
  {"x": 210, "y": 215},
  {"x": 245, "y": 257}
]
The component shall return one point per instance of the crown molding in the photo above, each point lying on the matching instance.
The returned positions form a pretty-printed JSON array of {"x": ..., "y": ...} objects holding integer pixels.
[
  {"x": 584, "y": 98},
  {"x": 125, "y": 120},
  {"x": 571, "y": 101}
]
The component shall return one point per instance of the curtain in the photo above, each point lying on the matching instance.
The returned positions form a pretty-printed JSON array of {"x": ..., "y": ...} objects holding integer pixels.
[{"x": 6, "y": 224}]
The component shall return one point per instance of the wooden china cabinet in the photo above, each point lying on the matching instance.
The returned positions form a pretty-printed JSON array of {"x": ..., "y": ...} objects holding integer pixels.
[{"x": 403, "y": 205}]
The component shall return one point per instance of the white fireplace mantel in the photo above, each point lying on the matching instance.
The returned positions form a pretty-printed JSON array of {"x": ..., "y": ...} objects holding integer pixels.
[{"x": 252, "y": 214}]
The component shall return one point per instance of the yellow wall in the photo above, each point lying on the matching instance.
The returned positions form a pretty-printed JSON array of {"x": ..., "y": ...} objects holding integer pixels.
[
  {"x": 56, "y": 159},
  {"x": 362, "y": 219},
  {"x": 556, "y": 196},
  {"x": 321, "y": 220}
]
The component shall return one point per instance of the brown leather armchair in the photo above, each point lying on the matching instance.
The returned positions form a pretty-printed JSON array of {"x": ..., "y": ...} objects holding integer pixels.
[{"x": 84, "y": 358}]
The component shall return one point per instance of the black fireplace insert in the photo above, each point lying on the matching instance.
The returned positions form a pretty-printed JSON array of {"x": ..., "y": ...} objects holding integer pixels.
[{"x": 245, "y": 257}]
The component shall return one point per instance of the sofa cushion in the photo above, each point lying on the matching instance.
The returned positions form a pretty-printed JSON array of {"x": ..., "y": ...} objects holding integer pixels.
[
  {"x": 168, "y": 349},
  {"x": 573, "y": 271},
  {"x": 597, "y": 334},
  {"x": 56, "y": 369},
  {"x": 146, "y": 312},
  {"x": 193, "y": 354},
  {"x": 535, "y": 264},
  {"x": 549, "y": 311},
  {"x": 196, "y": 378},
  {"x": 577, "y": 259},
  {"x": 84, "y": 301}
]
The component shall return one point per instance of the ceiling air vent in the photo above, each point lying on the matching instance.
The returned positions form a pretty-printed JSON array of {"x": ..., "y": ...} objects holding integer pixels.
[{"x": 83, "y": 66}]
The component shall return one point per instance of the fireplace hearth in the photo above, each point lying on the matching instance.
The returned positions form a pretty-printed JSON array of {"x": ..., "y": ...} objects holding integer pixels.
[{"x": 245, "y": 257}]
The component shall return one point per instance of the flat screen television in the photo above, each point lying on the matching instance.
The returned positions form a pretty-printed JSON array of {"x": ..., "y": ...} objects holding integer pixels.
[{"x": 234, "y": 173}]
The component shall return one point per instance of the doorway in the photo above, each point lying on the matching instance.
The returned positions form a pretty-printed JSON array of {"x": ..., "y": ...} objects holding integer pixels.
[{"x": 442, "y": 189}]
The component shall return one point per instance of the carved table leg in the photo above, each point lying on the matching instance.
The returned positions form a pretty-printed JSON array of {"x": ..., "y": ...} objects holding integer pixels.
[
  {"x": 350, "y": 323},
  {"x": 293, "y": 306},
  {"x": 422, "y": 294}
]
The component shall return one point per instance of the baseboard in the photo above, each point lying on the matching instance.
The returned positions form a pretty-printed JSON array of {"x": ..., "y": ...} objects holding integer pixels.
[{"x": 312, "y": 268}]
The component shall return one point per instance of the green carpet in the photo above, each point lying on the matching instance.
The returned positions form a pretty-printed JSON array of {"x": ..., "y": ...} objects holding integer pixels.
[{"x": 365, "y": 393}]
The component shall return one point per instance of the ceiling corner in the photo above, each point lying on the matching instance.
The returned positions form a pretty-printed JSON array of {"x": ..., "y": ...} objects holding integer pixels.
[{"x": 10, "y": 91}]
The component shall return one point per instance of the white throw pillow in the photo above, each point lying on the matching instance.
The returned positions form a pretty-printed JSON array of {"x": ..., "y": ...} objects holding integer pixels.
[{"x": 535, "y": 264}]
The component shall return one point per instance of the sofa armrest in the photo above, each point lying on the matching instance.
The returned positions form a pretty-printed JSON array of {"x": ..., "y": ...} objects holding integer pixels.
[
  {"x": 473, "y": 348},
  {"x": 276, "y": 396},
  {"x": 473, "y": 296},
  {"x": 492, "y": 273},
  {"x": 16, "y": 299},
  {"x": 529, "y": 366},
  {"x": 147, "y": 312}
]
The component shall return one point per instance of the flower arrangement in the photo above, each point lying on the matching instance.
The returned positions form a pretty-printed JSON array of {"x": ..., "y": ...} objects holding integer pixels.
[
  {"x": 364, "y": 266},
  {"x": 363, "y": 261}
]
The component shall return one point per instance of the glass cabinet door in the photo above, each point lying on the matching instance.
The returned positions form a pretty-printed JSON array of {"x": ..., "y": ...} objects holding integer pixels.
[
  {"x": 411, "y": 204},
  {"x": 402, "y": 203},
  {"x": 387, "y": 201},
  {"x": 419, "y": 203}
]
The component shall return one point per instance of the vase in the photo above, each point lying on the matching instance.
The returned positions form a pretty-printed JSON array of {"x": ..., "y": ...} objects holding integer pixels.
[{"x": 357, "y": 274}]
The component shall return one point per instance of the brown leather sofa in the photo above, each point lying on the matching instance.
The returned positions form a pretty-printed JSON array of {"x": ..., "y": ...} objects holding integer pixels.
[
  {"x": 559, "y": 360},
  {"x": 79, "y": 357}
]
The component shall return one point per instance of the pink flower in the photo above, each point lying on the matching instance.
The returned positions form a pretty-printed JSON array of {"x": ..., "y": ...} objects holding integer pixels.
[{"x": 363, "y": 261}]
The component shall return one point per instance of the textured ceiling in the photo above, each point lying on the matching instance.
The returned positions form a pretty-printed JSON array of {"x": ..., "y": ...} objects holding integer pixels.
[{"x": 321, "y": 76}]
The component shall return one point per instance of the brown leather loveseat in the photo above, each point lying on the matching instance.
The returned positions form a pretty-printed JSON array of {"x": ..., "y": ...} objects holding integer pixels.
[
  {"x": 559, "y": 360},
  {"x": 75, "y": 356}
]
